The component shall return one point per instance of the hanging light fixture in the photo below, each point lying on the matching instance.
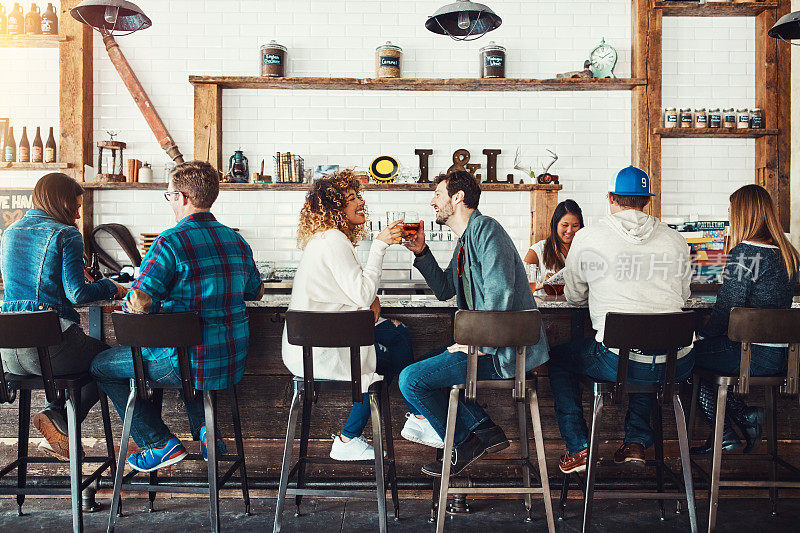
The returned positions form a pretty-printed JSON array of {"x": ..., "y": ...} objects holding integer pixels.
[
  {"x": 787, "y": 27},
  {"x": 119, "y": 17},
  {"x": 463, "y": 20}
]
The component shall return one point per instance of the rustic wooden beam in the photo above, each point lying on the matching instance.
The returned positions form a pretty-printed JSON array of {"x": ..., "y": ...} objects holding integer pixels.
[
  {"x": 722, "y": 133},
  {"x": 646, "y": 100},
  {"x": 713, "y": 9},
  {"x": 76, "y": 90},
  {"x": 766, "y": 85},
  {"x": 420, "y": 84},
  {"x": 783, "y": 101},
  {"x": 86, "y": 222},
  {"x": 543, "y": 204},
  {"x": 208, "y": 124},
  {"x": 486, "y": 187}
]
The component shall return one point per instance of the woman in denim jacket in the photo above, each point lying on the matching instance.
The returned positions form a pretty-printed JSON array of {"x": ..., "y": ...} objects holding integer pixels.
[{"x": 42, "y": 265}]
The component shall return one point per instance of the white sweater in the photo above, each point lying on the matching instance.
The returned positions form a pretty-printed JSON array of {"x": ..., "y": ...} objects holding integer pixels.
[
  {"x": 630, "y": 262},
  {"x": 331, "y": 279}
]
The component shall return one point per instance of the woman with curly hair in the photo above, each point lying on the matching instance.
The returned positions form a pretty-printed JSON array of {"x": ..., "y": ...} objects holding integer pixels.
[{"x": 331, "y": 279}]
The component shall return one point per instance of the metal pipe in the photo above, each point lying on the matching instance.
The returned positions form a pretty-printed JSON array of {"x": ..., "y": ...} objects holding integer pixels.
[{"x": 140, "y": 97}]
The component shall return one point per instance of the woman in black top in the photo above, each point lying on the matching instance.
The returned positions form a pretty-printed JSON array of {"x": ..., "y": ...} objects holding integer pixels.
[{"x": 762, "y": 265}]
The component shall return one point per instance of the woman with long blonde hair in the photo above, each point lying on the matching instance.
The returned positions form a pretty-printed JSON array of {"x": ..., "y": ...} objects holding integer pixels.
[
  {"x": 330, "y": 278},
  {"x": 761, "y": 269}
]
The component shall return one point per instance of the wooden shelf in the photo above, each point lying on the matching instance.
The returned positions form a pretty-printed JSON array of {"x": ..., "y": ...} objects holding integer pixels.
[
  {"x": 420, "y": 84},
  {"x": 307, "y": 186},
  {"x": 714, "y": 9},
  {"x": 35, "y": 166},
  {"x": 721, "y": 133},
  {"x": 32, "y": 41}
]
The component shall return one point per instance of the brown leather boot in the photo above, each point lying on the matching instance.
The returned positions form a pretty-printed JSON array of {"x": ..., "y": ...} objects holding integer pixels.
[
  {"x": 631, "y": 452},
  {"x": 576, "y": 462}
]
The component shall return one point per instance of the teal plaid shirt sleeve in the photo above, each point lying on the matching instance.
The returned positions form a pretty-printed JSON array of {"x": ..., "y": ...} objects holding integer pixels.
[{"x": 156, "y": 277}]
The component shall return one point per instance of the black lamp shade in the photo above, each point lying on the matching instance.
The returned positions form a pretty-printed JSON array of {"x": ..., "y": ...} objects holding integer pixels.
[
  {"x": 445, "y": 20},
  {"x": 129, "y": 18},
  {"x": 787, "y": 27}
]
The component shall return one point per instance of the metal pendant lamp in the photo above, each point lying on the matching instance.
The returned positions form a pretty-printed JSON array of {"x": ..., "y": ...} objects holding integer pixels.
[
  {"x": 463, "y": 20},
  {"x": 787, "y": 27},
  {"x": 119, "y": 17}
]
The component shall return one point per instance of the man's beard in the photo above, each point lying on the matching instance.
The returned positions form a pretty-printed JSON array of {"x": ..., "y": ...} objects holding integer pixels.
[{"x": 444, "y": 214}]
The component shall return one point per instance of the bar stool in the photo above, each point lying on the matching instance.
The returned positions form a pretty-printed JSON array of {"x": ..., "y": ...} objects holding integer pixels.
[
  {"x": 353, "y": 329},
  {"x": 519, "y": 329},
  {"x": 40, "y": 330},
  {"x": 180, "y": 331},
  {"x": 747, "y": 326},
  {"x": 659, "y": 333}
]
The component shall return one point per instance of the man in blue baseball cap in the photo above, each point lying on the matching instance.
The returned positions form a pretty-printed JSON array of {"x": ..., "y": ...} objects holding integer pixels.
[{"x": 630, "y": 262}]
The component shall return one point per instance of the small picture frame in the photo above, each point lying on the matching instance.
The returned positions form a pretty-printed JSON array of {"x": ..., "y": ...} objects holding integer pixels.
[{"x": 3, "y": 132}]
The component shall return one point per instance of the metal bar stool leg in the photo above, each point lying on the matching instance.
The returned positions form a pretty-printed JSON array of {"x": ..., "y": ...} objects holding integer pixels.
[
  {"x": 287, "y": 457},
  {"x": 524, "y": 452},
  {"x": 538, "y": 438},
  {"x": 23, "y": 434},
  {"x": 659, "y": 449},
  {"x": 158, "y": 401},
  {"x": 772, "y": 445},
  {"x": 109, "y": 436},
  {"x": 686, "y": 461},
  {"x": 452, "y": 411},
  {"x": 123, "y": 454},
  {"x": 437, "y": 486},
  {"x": 693, "y": 407},
  {"x": 305, "y": 429},
  {"x": 377, "y": 442},
  {"x": 592, "y": 462},
  {"x": 237, "y": 432},
  {"x": 211, "y": 432},
  {"x": 562, "y": 500},
  {"x": 386, "y": 416},
  {"x": 74, "y": 433},
  {"x": 716, "y": 464}
]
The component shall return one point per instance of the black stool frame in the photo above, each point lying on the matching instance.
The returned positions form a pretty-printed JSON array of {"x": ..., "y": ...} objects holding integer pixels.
[
  {"x": 40, "y": 330},
  {"x": 749, "y": 326},
  {"x": 659, "y": 333},
  {"x": 181, "y": 331},
  {"x": 352, "y": 329},
  {"x": 498, "y": 329}
]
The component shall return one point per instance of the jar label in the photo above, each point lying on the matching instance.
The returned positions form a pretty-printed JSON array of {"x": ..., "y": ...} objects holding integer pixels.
[
  {"x": 493, "y": 61},
  {"x": 272, "y": 59},
  {"x": 730, "y": 118},
  {"x": 756, "y": 122},
  {"x": 47, "y": 25},
  {"x": 714, "y": 119},
  {"x": 390, "y": 61},
  {"x": 744, "y": 118},
  {"x": 701, "y": 118},
  {"x": 672, "y": 118},
  {"x": 686, "y": 118}
]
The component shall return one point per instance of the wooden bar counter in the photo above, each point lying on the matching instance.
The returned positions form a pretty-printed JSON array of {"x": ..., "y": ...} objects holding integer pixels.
[{"x": 265, "y": 393}]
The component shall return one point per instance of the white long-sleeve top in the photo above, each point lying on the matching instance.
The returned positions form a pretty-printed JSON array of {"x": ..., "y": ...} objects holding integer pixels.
[{"x": 331, "y": 279}]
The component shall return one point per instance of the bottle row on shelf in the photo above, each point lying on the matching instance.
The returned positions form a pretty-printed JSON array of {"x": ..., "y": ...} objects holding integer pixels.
[
  {"x": 33, "y": 23},
  {"x": 25, "y": 152}
]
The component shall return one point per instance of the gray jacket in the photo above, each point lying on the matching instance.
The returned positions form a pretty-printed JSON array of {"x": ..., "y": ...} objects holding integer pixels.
[{"x": 498, "y": 282}]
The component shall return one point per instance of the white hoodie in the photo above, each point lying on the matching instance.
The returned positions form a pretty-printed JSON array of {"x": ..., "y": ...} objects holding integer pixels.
[{"x": 630, "y": 262}]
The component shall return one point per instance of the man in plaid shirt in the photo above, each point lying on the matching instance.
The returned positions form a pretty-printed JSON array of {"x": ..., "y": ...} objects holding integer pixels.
[{"x": 199, "y": 265}]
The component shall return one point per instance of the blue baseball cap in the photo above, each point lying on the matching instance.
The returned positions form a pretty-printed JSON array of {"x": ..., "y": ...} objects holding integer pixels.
[{"x": 630, "y": 181}]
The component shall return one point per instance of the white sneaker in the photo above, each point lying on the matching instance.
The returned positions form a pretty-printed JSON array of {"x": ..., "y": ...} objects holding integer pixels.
[
  {"x": 420, "y": 431},
  {"x": 357, "y": 449}
]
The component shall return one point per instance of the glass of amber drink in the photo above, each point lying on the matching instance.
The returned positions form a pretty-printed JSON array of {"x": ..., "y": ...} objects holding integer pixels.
[{"x": 411, "y": 226}]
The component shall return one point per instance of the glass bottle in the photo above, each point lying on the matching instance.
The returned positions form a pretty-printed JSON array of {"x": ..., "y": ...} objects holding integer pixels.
[
  {"x": 687, "y": 120},
  {"x": 16, "y": 21},
  {"x": 50, "y": 21},
  {"x": 714, "y": 118},
  {"x": 729, "y": 118},
  {"x": 700, "y": 118},
  {"x": 10, "y": 149},
  {"x": 33, "y": 21},
  {"x": 742, "y": 119},
  {"x": 37, "y": 149},
  {"x": 756, "y": 119},
  {"x": 50, "y": 148},
  {"x": 24, "y": 152},
  {"x": 670, "y": 118},
  {"x": 3, "y": 20}
]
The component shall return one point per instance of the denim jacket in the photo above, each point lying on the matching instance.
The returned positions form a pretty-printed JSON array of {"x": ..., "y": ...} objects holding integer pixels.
[{"x": 41, "y": 262}]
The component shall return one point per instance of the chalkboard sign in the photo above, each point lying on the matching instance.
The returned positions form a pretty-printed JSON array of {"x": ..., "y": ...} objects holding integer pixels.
[{"x": 14, "y": 203}]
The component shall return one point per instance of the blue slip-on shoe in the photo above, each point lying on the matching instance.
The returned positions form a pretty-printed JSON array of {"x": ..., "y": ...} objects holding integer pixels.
[
  {"x": 155, "y": 458},
  {"x": 222, "y": 449}
]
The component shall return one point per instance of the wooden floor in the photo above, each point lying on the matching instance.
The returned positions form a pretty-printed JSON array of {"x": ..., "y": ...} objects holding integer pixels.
[{"x": 189, "y": 514}]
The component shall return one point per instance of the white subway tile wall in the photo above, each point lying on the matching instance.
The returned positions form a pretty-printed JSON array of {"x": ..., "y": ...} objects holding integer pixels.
[{"x": 589, "y": 131}]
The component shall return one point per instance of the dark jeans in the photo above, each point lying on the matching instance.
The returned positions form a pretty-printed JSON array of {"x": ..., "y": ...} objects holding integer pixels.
[
  {"x": 74, "y": 355},
  {"x": 423, "y": 384},
  {"x": 393, "y": 353},
  {"x": 589, "y": 357},
  {"x": 113, "y": 370},
  {"x": 722, "y": 355}
]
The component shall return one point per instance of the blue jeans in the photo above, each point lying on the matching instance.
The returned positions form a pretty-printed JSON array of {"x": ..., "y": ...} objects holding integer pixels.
[
  {"x": 423, "y": 384},
  {"x": 721, "y": 354},
  {"x": 393, "y": 353},
  {"x": 589, "y": 357},
  {"x": 113, "y": 370}
]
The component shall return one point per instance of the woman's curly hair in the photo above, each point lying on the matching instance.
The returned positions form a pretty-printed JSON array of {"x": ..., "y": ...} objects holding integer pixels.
[{"x": 324, "y": 208}]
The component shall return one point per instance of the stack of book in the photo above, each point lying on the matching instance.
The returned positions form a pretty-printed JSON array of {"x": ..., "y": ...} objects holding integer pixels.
[
  {"x": 706, "y": 239},
  {"x": 289, "y": 168}
]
